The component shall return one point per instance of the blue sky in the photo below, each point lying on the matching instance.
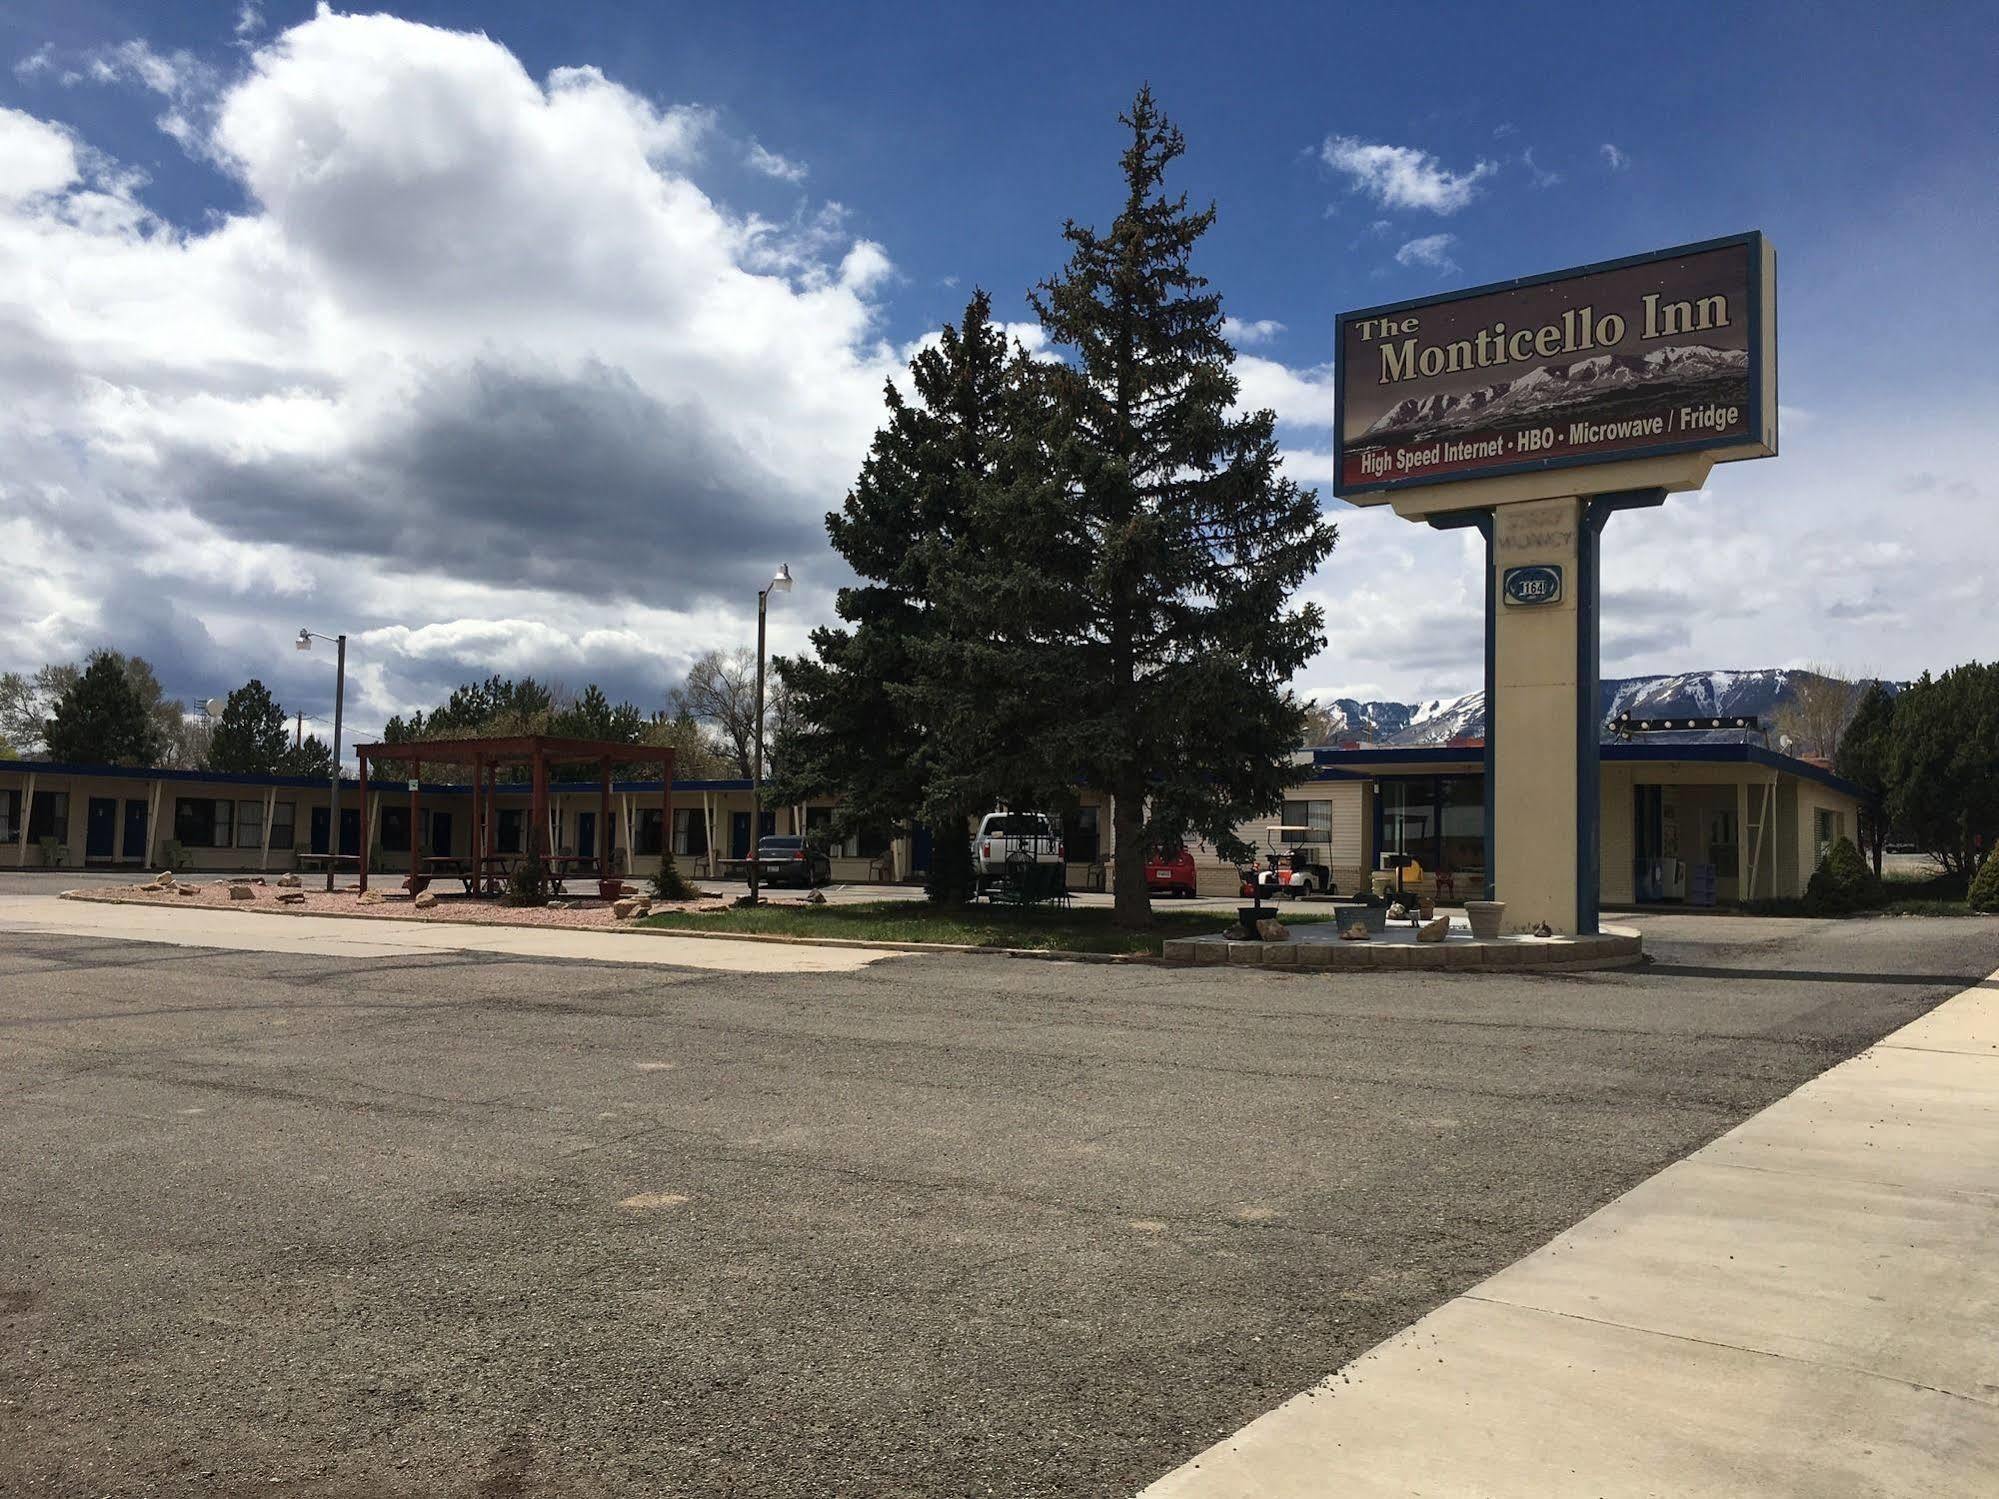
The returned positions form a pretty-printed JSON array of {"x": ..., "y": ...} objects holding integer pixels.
[{"x": 1356, "y": 155}]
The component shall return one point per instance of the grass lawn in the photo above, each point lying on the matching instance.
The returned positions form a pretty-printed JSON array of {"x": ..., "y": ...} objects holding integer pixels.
[{"x": 1079, "y": 929}]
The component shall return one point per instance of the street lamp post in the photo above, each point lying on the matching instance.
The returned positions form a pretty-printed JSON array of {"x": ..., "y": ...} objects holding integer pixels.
[
  {"x": 780, "y": 583},
  {"x": 304, "y": 643}
]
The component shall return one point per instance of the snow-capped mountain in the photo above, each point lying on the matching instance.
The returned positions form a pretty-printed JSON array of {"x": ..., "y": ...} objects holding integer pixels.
[
  {"x": 1555, "y": 385},
  {"x": 1759, "y": 693}
]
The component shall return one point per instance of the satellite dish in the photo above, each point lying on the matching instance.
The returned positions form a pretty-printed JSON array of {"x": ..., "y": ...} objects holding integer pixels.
[{"x": 213, "y": 707}]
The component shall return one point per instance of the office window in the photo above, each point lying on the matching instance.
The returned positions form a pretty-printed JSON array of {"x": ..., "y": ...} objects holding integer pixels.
[
  {"x": 50, "y": 817},
  {"x": 202, "y": 822},
  {"x": 1722, "y": 849},
  {"x": 1081, "y": 842},
  {"x": 283, "y": 824},
  {"x": 249, "y": 824}
]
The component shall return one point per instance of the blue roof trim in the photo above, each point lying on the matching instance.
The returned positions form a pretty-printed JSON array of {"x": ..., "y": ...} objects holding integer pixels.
[
  {"x": 1616, "y": 751},
  {"x": 376, "y": 784}
]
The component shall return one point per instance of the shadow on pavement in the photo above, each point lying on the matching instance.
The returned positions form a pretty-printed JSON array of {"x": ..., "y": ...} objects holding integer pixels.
[{"x": 1820, "y": 975}]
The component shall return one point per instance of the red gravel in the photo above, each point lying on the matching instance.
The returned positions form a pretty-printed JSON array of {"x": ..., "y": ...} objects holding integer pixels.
[{"x": 581, "y": 910}]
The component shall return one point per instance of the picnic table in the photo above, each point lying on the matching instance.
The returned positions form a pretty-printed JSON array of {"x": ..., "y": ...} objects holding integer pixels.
[{"x": 569, "y": 866}]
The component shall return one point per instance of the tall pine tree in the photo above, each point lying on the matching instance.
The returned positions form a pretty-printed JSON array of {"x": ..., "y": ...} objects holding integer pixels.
[
  {"x": 878, "y": 719},
  {"x": 1155, "y": 612},
  {"x": 251, "y": 737}
]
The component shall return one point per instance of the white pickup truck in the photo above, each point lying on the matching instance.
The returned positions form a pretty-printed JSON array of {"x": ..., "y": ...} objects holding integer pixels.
[{"x": 1004, "y": 836}]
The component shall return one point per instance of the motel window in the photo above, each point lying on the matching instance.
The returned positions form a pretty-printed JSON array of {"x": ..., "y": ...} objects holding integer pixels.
[
  {"x": 690, "y": 833},
  {"x": 512, "y": 821},
  {"x": 870, "y": 843},
  {"x": 819, "y": 832},
  {"x": 1829, "y": 828},
  {"x": 1081, "y": 841},
  {"x": 10, "y": 816},
  {"x": 49, "y": 817},
  {"x": 249, "y": 824},
  {"x": 395, "y": 830},
  {"x": 202, "y": 822},
  {"x": 284, "y": 817}
]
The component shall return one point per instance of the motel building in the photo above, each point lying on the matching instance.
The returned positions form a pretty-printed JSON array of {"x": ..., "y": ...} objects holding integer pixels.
[{"x": 1692, "y": 823}]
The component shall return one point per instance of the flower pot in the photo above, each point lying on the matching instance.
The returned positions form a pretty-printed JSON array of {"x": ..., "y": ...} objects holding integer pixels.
[
  {"x": 610, "y": 889},
  {"x": 1485, "y": 917}
]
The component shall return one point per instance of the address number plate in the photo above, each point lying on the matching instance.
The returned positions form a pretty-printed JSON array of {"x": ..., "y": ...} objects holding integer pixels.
[{"x": 1536, "y": 584}]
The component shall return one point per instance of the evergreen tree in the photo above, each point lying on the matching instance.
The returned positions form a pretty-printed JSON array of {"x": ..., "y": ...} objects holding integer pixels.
[
  {"x": 1156, "y": 597},
  {"x": 252, "y": 736},
  {"x": 1943, "y": 763},
  {"x": 879, "y": 715},
  {"x": 1863, "y": 759},
  {"x": 593, "y": 716},
  {"x": 101, "y": 719},
  {"x": 309, "y": 757}
]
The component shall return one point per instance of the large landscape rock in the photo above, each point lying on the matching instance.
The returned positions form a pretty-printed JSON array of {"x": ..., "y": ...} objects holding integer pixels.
[
  {"x": 1270, "y": 929},
  {"x": 242, "y": 892},
  {"x": 289, "y": 881},
  {"x": 1434, "y": 931},
  {"x": 182, "y": 889},
  {"x": 425, "y": 901},
  {"x": 164, "y": 878},
  {"x": 369, "y": 898},
  {"x": 292, "y": 897}
]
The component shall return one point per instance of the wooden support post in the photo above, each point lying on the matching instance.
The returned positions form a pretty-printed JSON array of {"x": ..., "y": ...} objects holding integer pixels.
[
  {"x": 604, "y": 870},
  {"x": 538, "y": 844},
  {"x": 416, "y": 823},
  {"x": 666, "y": 809},
  {"x": 333, "y": 837},
  {"x": 153, "y": 827}
]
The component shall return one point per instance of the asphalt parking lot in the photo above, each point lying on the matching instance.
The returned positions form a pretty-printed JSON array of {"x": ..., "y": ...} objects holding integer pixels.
[{"x": 466, "y": 1225}]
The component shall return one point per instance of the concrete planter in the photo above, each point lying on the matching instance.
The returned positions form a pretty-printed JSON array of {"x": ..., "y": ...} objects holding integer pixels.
[{"x": 1485, "y": 917}]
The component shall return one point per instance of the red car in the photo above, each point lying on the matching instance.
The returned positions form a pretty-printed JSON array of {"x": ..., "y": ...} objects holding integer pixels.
[{"x": 1170, "y": 873}]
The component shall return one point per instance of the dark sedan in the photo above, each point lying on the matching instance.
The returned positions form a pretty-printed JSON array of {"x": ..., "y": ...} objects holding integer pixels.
[{"x": 787, "y": 861}]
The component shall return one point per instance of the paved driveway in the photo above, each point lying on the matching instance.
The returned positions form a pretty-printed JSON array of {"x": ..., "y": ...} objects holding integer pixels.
[{"x": 466, "y": 1224}]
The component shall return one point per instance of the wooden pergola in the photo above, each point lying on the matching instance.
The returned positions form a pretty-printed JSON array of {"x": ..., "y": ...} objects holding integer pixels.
[{"x": 536, "y": 751}]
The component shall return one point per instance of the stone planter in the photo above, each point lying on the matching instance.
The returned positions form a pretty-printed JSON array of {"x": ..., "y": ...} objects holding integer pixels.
[{"x": 1485, "y": 917}]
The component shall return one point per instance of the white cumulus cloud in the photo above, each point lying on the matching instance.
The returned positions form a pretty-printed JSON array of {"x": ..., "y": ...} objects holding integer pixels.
[
  {"x": 1431, "y": 251},
  {"x": 1403, "y": 176},
  {"x": 477, "y": 349}
]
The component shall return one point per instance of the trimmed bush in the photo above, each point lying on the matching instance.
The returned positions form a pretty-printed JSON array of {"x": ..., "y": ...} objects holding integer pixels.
[
  {"x": 669, "y": 883},
  {"x": 1985, "y": 887},
  {"x": 528, "y": 884},
  {"x": 1842, "y": 884}
]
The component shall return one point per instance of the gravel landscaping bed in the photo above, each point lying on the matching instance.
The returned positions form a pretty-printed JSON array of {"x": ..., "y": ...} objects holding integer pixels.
[{"x": 577, "y": 910}]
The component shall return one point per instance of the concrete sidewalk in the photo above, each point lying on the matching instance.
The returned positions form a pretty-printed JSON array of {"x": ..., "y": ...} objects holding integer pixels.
[
  {"x": 1807, "y": 1306},
  {"x": 337, "y": 937}
]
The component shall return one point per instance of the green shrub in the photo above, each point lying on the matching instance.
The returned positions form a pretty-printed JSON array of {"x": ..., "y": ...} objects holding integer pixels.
[
  {"x": 669, "y": 883},
  {"x": 1985, "y": 887},
  {"x": 528, "y": 884},
  {"x": 1842, "y": 884}
]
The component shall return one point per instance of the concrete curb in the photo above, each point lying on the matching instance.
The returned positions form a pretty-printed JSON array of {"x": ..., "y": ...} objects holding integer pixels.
[
  {"x": 254, "y": 909},
  {"x": 1618, "y": 948}
]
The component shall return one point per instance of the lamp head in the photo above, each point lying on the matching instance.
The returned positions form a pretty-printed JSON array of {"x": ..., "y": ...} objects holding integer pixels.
[
  {"x": 781, "y": 581},
  {"x": 304, "y": 641}
]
